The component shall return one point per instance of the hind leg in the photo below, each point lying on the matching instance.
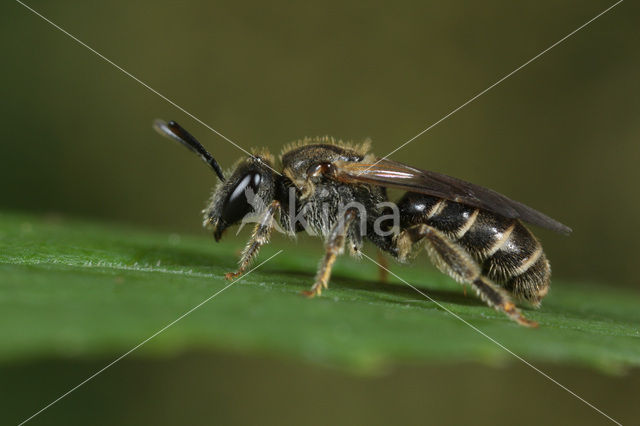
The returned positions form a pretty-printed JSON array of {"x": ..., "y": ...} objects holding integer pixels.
[
  {"x": 383, "y": 275},
  {"x": 453, "y": 260}
]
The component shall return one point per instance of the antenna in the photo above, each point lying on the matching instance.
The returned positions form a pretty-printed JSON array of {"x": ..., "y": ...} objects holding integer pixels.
[{"x": 173, "y": 130}]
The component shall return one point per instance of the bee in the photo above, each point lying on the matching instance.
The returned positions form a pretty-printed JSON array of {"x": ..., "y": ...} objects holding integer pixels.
[{"x": 339, "y": 192}]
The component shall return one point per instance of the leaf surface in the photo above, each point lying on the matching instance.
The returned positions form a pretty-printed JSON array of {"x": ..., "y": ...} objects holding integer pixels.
[{"x": 70, "y": 288}]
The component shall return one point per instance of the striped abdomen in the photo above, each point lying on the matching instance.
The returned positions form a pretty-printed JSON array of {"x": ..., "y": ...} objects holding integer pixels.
[{"x": 507, "y": 251}]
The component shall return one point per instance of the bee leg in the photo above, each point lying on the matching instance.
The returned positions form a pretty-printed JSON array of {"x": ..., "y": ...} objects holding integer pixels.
[
  {"x": 383, "y": 267},
  {"x": 260, "y": 236},
  {"x": 453, "y": 260},
  {"x": 334, "y": 246}
]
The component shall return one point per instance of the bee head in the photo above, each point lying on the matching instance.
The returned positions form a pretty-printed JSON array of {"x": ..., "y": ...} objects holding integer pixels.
[
  {"x": 249, "y": 188},
  {"x": 247, "y": 192}
]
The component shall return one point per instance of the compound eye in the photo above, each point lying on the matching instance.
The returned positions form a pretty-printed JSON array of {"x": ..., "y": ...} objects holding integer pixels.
[{"x": 237, "y": 205}]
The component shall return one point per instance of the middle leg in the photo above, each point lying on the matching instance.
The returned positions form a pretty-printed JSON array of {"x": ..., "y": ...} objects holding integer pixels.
[{"x": 334, "y": 247}]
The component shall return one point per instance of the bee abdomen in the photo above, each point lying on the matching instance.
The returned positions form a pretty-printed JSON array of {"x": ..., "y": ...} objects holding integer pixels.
[
  {"x": 509, "y": 254},
  {"x": 519, "y": 263},
  {"x": 486, "y": 235},
  {"x": 453, "y": 219},
  {"x": 533, "y": 284}
]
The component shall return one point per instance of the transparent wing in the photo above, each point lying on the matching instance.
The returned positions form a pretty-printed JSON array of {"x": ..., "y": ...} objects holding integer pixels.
[{"x": 392, "y": 174}]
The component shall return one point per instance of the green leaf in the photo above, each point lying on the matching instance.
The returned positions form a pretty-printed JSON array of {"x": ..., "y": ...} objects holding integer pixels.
[{"x": 69, "y": 289}]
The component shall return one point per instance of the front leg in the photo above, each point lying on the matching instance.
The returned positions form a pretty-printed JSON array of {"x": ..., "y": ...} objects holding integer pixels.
[
  {"x": 260, "y": 236},
  {"x": 333, "y": 247}
]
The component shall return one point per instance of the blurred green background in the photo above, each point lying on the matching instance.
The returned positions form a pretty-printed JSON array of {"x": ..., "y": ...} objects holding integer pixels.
[{"x": 560, "y": 135}]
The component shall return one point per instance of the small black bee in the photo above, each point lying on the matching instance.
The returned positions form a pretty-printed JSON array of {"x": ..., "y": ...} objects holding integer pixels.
[{"x": 339, "y": 191}]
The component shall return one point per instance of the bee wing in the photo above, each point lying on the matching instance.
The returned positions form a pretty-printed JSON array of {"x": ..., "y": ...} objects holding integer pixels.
[{"x": 392, "y": 174}]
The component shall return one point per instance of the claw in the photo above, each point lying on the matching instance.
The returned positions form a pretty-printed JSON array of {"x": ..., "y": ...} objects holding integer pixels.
[
  {"x": 513, "y": 312},
  {"x": 316, "y": 290},
  {"x": 526, "y": 322},
  {"x": 231, "y": 275}
]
